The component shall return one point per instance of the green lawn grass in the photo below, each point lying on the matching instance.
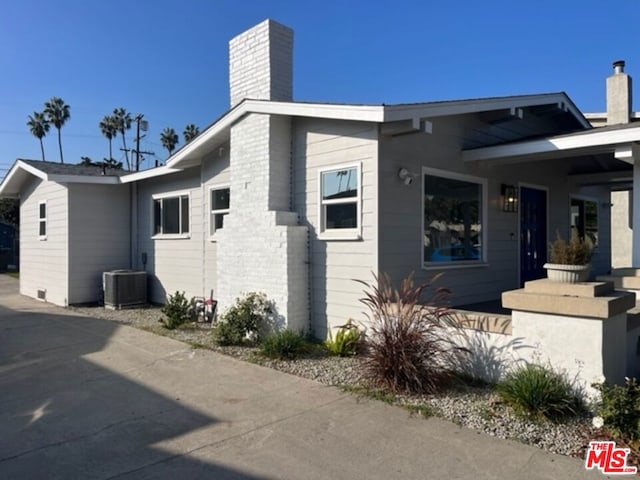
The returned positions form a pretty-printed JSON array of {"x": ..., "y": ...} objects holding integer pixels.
[{"x": 14, "y": 274}]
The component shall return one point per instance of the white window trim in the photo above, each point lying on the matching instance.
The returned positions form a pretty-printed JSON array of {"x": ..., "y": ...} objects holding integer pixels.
[
  {"x": 483, "y": 182},
  {"x": 170, "y": 236},
  {"x": 221, "y": 186},
  {"x": 586, "y": 198},
  {"x": 45, "y": 219},
  {"x": 340, "y": 233}
]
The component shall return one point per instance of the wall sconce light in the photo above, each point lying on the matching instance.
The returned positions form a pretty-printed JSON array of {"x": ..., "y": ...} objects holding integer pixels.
[
  {"x": 406, "y": 176},
  {"x": 509, "y": 198}
]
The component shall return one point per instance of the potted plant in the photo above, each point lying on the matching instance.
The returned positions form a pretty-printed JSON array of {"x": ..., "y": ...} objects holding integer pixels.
[{"x": 569, "y": 260}]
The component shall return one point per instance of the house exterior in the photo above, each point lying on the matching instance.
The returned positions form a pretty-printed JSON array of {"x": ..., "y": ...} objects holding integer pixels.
[{"x": 299, "y": 199}]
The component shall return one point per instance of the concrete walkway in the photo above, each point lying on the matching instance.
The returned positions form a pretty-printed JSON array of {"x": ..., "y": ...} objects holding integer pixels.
[{"x": 82, "y": 398}]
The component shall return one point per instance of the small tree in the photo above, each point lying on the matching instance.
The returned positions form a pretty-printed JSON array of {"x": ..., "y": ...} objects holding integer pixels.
[{"x": 10, "y": 211}]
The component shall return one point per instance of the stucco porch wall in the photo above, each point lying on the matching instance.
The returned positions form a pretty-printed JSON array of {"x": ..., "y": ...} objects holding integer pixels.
[
  {"x": 596, "y": 339},
  {"x": 400, "y": 210},
  {"x": 580, "y": 329}
]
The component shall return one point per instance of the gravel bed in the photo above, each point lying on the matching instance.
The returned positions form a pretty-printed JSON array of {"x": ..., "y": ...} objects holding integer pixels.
[{"x": 471, "y": 407}]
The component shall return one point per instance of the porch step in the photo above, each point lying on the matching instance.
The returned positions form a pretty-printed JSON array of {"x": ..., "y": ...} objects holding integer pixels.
[
  {"x": 625, "y": 272},
  {"x": 621, "y": 282},
  {"x": 585, "y": 289},
  {"x": 587, "y": 300}
]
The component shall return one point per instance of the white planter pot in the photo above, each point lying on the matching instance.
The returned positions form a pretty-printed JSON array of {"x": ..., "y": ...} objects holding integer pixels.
[{"x": 557, "y": 272}]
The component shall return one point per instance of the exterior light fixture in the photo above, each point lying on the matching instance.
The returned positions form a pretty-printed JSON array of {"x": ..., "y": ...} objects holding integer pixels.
[
  {"x": 509, "y": 198},
  {"x": 406, "y": 176}
]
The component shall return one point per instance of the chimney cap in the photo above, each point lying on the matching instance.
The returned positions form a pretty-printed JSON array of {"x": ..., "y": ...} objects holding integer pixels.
[{"x": 618, "y": 66}]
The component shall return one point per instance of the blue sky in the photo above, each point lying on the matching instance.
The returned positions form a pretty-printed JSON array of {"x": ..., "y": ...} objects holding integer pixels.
[{"x": 168, "y": 59}]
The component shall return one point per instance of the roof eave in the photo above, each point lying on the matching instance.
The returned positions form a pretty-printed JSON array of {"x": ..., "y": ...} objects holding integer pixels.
[
  {"x": 11, "y": 185},
  {"x": 440, "y": 109},
  {"x": 592, "y": 141}
]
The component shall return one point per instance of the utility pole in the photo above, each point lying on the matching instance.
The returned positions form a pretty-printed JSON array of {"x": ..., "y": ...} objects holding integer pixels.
[
  {"x": 144, "y": 125},
  {"x": 140, "y": 158}
]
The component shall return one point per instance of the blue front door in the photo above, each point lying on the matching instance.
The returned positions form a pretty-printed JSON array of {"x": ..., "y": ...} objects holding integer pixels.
[{"x": 533, "y": 233}]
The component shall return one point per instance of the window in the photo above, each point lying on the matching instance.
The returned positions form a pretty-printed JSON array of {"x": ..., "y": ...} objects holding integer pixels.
[
  {"x": 453, "y": 213},
  {"x": 219, "y": 198},
  {"x": 171, "y": 215},
  {"x": 340, "y": 201},
  {"x": 584, "y": 220},
  {"x": 42, "y": 220}
]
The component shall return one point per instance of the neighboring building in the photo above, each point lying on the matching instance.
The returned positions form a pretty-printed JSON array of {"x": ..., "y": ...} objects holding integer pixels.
[
  {"x": 8, "y": 247},
  {"x": 298, "y": 199},
  {"x": 619, "y": 112}
]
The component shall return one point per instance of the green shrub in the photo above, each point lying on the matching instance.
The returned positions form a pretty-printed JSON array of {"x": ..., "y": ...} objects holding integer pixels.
[
  {"x": 244, "y": 321},
  {"x": 619, "y": 408},
  {"x": 347, "y": 341},
  {"x": 410, "y": 340},
  {"x": 540, "y": 392},
  {"x": 284, "y": 345},
  {"x": 177, "y": 311}
]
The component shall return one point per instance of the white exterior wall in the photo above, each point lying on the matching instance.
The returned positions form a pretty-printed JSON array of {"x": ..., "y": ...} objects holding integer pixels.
[
  {"x": 262, "y": 248},
  {"x": 172, "y": 264},
  {"x": 401, "y": 211},
  {"x": 44, "y": 263},
  {"x": 215, "y": 173},
  {"x": 99, "y": 237},
  {"x": 336, "y": 263}
]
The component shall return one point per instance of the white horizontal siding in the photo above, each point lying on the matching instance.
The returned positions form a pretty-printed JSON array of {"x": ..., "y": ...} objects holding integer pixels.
[
  {"x": 215, "y": 171},
  {"x": 99, "y": 237},
  {"x": 401, "y": 211},
  {"x": 44, "y": 263},
  {"x": 172, "y": 264},
  {"x": 335, "y": 264}
]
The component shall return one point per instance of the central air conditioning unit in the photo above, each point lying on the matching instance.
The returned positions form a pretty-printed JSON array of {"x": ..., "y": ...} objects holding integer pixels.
[{"x": 124, "y": 289}]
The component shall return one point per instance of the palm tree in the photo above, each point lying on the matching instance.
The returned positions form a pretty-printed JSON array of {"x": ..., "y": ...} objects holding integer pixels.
[
  {"x": 39, "y": 127},
  {"x": 169, "y": 139},
  {"x": 191, "y": 131},
  {"x": 109, "y": 128},
  {"x": 57, "y": 113},
  {"x": 123, "y": 123}
]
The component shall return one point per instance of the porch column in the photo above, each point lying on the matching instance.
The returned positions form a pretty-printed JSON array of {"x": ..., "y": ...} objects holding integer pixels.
[
  {"x": 635, "y": 254},
  {"x": 630, "y": 153}
]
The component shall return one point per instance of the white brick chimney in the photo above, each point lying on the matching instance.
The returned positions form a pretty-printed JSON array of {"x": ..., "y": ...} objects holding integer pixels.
[
  {"x": 261, "y": 63},
  {"x": 619, "y": 101},
  {"x": 263, "y": 247}
]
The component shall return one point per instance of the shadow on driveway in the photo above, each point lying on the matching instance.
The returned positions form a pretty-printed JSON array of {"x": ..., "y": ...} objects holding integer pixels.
[{"x": 65, "y": 415}]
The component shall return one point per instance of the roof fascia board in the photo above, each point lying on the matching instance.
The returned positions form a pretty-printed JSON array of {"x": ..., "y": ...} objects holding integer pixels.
[
  {"x": 32, "y": 170},
  {"x": 17, "y": 166},
  {"x": 155, "y": 172},
  {"x": 563, "y": 143},
  {"x": 359, "y": 113},
  {"x": 93, "y": 179}
]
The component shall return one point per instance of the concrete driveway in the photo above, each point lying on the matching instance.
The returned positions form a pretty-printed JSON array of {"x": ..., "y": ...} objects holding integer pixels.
[{"x": 82, "y": 398}]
